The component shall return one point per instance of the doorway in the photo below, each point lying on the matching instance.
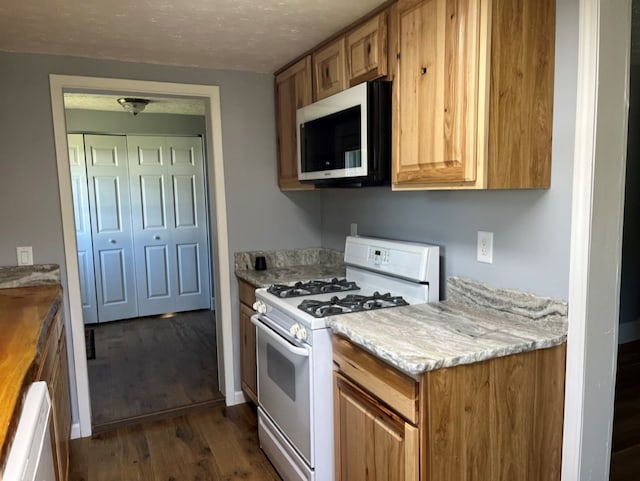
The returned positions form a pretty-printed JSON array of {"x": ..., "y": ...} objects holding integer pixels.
[
  {"x": 140, "y": 211},
  {"x": 215, "y": 186}
]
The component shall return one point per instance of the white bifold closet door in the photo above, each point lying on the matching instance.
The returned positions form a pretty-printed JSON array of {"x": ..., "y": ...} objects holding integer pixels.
[
  {"x": 169, "y": 223},
  {"x": 108, "y": 180},
  {"x": 83, "y": 228}
]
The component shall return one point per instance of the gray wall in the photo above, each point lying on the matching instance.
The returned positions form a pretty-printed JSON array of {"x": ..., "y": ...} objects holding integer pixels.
[
  {"x": 93, "y": 121},
  {"x": 259, "y": 215},
  {"x": 531, "y": 228}
]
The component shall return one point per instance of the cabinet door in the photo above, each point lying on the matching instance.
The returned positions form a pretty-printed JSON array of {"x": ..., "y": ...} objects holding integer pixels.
[
  {"x": 329, "y": 69},
  {"x": 372, "y": 442},
  {"x": 439, "y": 91},
  {"x": 248, "y": 354},
  {"x": 367, "y": 50},
  {"x": 293, "y": 90},
  {"x": 61, "y": 402}
]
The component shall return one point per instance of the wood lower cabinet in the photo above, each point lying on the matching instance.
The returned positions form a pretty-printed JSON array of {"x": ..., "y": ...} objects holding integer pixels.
[
  {"x": 374, "y": 443},
  {"x": 473, "y": 94},
  {"x": 248, "y": 368},
  {"x": 54, "y": 370},
  {"x": 293, "y": 90},
  {"x": 496, "y": 420}
]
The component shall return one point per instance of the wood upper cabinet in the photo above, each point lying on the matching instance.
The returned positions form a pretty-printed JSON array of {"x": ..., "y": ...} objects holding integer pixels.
[
  {"x": 473, "y": 93},
  {"x": 248, "y": 367},
  {"x": 293, "y": 90},
  {"x": 372, "y": 442},
  {"x": 329, "y": 69},
  {"x": 366, "y": 50}
]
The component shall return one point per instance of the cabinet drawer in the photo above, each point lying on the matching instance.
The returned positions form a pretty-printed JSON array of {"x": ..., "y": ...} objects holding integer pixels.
[
  {"x": 397, "y": 390},
  {"x": 247, "y": 292}
]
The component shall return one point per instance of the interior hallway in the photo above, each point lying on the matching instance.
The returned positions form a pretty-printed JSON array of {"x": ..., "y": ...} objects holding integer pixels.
[{"x": 152, "y": 366}]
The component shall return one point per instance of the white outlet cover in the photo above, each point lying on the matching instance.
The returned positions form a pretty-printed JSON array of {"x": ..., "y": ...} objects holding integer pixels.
[
  {"x": 485, "y": 247},
  {"x": 24, "y": 255}
]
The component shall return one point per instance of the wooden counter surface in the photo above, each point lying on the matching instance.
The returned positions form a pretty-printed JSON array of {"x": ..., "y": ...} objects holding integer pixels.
[{"x": 25, "y": 316}]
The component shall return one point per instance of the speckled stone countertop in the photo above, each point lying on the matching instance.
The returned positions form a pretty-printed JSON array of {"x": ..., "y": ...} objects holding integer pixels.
[
  {"x": 476, "y": 322},
  {"x": 28, "y": 276},
  {"x": 290, "y": 265}
]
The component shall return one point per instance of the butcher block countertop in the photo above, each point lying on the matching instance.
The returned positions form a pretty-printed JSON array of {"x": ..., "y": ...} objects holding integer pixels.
[
  {"x": 475, "y": 323},
  {"x": 25, "y": 316}
]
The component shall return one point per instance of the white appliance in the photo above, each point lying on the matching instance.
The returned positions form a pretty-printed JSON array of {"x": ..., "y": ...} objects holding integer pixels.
[
  {"x": 31, "y": 456},
  {"x": 294, "y": 355}
]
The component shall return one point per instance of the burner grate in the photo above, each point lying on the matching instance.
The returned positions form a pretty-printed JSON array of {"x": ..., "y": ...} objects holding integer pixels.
[
  {"x": 350, "y": 303},
  {"x": 314, "y": 287}
]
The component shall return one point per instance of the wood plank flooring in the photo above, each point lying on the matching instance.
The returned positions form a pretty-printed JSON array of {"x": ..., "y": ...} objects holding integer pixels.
[
  {"x": 152, "y": 366},
  {"x": 625, "y": 456},
  {"x": 206, "y": 445}
]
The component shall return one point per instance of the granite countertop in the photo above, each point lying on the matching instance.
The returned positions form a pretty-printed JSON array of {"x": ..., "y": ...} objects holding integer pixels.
[
  {"x": 476, "y": 323},
  {"x": 25, "y": 316},
  {"x": 290, "y": 265}
]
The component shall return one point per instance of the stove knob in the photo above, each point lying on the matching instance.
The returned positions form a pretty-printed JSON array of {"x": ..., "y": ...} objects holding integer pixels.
[
  {"x": 260, "y": 307},
  {"x": 301, "y": 334},
  {"x": 293, "y": 330}
]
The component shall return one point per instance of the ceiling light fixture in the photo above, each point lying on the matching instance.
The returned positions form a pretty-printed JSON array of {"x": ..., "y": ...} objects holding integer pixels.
[{"x": 133, "y": 105}]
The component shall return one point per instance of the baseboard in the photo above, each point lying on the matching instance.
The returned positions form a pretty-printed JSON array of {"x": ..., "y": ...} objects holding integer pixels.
[
  {"x": 75, "y": 431},
  {"x": 629, "y": 331},
  {"x": 239, "y": 398}
]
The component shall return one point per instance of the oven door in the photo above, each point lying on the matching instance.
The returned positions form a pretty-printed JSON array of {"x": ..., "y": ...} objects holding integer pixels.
[{"x": 284, "y": 380}]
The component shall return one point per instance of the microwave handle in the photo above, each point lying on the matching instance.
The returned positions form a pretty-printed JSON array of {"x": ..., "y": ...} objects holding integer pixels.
[{"x": 298, "y": 351}]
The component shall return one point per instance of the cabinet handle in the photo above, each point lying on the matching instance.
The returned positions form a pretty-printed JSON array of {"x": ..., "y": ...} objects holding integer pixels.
[
  {"x": 113, "y": 241},
  {"x": 156, "y": 237},
  {"x": 424, "y": 70}
]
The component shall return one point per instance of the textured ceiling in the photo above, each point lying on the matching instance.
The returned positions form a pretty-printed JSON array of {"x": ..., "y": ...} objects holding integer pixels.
[
  {"x": 258, "y": 36},
  {"x": 157, "y": 105}
]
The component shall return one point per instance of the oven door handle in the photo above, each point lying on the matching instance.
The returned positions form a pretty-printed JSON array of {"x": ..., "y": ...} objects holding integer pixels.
[{"x": 298, "y": 351}]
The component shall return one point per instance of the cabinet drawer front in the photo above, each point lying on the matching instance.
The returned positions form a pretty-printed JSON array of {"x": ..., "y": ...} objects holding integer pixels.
[
  {"x": 247, "y": 293},
  {"x": 397, "y": 390}
]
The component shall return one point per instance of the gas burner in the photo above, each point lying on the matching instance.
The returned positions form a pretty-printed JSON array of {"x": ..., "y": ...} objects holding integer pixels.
[
  {"x": 350, "y": 303},
  {"x": 312, "y": 287}
]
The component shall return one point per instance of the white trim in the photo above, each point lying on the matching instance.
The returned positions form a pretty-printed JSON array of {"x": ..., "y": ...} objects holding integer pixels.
[
  {"x": 596, "y": 239},
  {"x": 629, "y": 331},
  {"x": 75, "y": 431},
  {"x": 239, "y": 398},
  {"x": 60, "y": 83}
]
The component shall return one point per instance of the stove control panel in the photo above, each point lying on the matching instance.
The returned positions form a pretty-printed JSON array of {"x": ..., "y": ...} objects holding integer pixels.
[{"x": 379, "y": 256}]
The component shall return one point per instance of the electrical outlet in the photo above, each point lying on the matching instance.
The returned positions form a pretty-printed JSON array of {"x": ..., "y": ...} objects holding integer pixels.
[
  {"x": 354, "y": 229},
  {"x": 25, "y": 256},
  {"x": 485, "y": 247}
]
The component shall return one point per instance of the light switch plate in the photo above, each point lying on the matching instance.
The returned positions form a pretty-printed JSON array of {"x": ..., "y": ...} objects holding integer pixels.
[{"x": 24, "y": 255}]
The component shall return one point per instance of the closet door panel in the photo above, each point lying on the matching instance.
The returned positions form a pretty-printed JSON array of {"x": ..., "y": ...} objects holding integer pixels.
[
  {"x": 152, "y": 211},
  {"x": 84, "y": 243},
  {"x": 110, "y": 213},
  {"x": 190, "y": 233}
]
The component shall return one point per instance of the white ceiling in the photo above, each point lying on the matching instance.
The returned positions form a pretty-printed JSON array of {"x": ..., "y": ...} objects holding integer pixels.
[
  {"x": 157, "y": 105},
  {"x": 258, "y": 36}
]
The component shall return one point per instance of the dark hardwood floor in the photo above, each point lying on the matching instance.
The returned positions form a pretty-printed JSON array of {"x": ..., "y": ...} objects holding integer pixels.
[
  {"x": 150, "y": 367},
  {"x": 625, "y": 455},
  {"x": 213, "y": 444}
]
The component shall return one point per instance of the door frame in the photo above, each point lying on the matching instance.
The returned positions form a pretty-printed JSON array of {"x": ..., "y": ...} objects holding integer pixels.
[
  {"x": 217, "y": 217},
  {"x": 596, "y": 237}
]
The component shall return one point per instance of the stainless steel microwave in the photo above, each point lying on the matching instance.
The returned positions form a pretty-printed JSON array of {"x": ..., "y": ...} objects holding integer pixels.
[{"x": 345, "y": 139}]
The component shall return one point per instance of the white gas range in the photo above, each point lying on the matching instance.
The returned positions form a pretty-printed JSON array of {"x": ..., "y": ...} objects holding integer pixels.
[{"x": 294, "y": 356}]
